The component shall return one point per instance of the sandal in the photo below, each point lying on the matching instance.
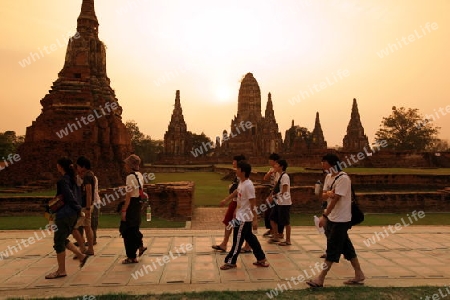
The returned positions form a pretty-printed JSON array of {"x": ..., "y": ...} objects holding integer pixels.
[
  {"x": 127, "y": 261},
  {"x": 313, "y": 284},
  {"x": 262, "y": 263},
  {"x": 246, "y": 251},
  {"x": 227, "y": 267},
  {"x": 142, "y": 251},
  {"x": 54, "y": 275},
  {"x": 83, "y": 262},
  {"x": 284, "y": 244},
  {"x": 217, "y": 247}
]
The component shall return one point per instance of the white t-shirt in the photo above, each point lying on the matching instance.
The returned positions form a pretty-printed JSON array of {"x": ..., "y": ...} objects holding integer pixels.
[
  {"x": 245, "y": 192},
  {"x": 284, "y": 198},
  {"x": 132, "y": 184},
  {"x": 342, "y": 212}
]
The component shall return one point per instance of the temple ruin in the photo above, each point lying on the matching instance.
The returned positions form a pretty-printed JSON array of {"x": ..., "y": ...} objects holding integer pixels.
[{"x": 80, "y": 115}]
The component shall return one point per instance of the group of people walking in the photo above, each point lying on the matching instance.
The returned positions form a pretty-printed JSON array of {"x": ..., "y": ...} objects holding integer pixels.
[
  {"x": 78, "y": 190},
  {"x": 241, "y": 217}
]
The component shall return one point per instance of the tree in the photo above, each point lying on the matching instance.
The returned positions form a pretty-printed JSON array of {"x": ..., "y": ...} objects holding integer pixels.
[
  {"x": 201, "y": 141},
  {"x": 10, "y": 142},
  {"x": 406, "y": 129},
  {"x": 143, "y": 145}
]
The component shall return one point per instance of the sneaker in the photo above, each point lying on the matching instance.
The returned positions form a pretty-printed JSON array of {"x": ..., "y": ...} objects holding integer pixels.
[{"x": 266, "y": 234}]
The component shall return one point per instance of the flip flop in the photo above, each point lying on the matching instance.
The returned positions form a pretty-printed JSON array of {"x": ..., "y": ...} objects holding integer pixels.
[
  {"x": 354, "y": 282},
  {"x": 246, "y": 251},
  {"x": 127, "y": 261},
  {"x": 313, "y": 284},
  {"x": 263, "y": 263},
  {"x": 141, "y": 252},
  {"x": 217, "y": 247},
  {"x": 228, "y": 267},
  {"x": 83, "y": 262},
  {"x": 54, "y": 275},
  {"x": 284, "y": 244}
]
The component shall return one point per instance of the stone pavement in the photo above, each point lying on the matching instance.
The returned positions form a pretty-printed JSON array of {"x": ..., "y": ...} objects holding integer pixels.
[{"x": 181, "y": 260}]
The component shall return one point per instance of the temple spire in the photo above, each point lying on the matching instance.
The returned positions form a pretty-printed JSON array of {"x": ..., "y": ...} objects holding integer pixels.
[
  {"x": 87, "y": 20},
  {"x": 355, "y": 139}
]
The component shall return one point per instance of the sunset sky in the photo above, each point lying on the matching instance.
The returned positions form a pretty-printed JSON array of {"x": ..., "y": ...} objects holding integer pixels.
[{"x": 312, "y": 55}]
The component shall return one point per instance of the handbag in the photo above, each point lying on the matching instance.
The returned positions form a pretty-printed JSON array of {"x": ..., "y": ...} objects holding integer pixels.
[
  {"x": 56, "y": 203},
  {"x": 357, "y": 214}
]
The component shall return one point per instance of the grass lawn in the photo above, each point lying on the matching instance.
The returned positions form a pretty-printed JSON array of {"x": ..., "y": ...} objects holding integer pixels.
[
  {"x": 341, "y": 293},
  {"x": 112, "y": 221},
  {"x": 105, "y": 221},
  {"x": 209, "y": 188}
]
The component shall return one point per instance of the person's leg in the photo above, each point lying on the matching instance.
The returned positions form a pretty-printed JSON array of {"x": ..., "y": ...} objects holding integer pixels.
[
  {"x": 350, "y": 254},
  {"x": 238, "y": 240},
  {"x": 80, "y": 240},
  {"x": 90, "y": 239},
  {"x": 94, "y": 224},
  {"x": 253, "y": 242},
  {"x": 335, "y": 247},
  {"x": 267, "y": 221}
]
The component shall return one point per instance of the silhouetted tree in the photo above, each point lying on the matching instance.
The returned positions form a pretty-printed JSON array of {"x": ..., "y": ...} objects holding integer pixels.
[
  {"x": 10, "y": 142},
  {"x": 406, "y": 129},
  {"x": 143, "y": 145}
]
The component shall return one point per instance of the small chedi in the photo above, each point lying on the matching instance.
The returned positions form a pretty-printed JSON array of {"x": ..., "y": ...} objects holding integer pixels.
[{"x": 80, "y": 115}]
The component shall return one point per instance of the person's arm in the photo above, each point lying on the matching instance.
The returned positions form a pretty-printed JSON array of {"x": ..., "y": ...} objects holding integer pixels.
[
  {"x": 268, "y": 174},
  {"x": 228, "y": 198},
  {"x": 255, "y": 215}
]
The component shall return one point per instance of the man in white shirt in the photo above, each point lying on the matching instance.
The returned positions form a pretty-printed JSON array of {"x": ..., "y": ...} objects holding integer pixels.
[
  {"x": 337, "y": 221},
  {"x": 245, "y": 220}
]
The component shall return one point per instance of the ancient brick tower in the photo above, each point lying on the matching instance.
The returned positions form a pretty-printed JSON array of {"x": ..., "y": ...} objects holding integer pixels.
[
  {"x": 251, "y": 134},
  {"x": 177, "y": 140},
  {"x": 355, "y": 139},
  {"x": 298, "y": 140},
  {"x": 317, "y": 140},
  {"x": 80, "y": 114}
]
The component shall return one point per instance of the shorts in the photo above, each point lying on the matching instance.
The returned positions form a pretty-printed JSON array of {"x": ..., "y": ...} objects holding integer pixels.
[
  {"x": 64, "y": 227},
  {"x": 280, "y": 214},
  {"x": 338, "y": 241},
  {"x": 229, "y": 215}
]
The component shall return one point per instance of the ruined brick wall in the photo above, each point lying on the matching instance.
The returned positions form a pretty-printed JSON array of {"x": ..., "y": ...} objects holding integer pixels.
[
  {"x": 171, "y": 201},
  {"x": 305, "y": 201}
]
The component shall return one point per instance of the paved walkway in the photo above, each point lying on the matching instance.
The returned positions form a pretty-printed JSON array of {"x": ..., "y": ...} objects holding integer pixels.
[{"x": 182, "y": 260}]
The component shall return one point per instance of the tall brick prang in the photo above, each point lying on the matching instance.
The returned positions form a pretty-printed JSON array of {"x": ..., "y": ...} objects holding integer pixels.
[{"x": 80, "y": 115}]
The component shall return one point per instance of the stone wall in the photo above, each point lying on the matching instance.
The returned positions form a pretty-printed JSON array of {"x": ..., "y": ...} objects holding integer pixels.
[
  {"x": 305, "y": 201},
  {"x": 373, "y": 182},
  {"x": 171, "y": 201}
]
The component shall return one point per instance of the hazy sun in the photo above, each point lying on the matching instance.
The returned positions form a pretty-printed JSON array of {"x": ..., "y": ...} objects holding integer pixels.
[{"x": 223, "y": 94}]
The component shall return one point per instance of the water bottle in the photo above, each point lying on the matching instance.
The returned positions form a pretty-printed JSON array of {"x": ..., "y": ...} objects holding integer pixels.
[
  {"x": 317, "y": 187},
  {"x": 149, "y": 213}
]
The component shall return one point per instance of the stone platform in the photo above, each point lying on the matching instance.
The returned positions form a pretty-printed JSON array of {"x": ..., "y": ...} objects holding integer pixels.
[{"x": 182, "y": 260}]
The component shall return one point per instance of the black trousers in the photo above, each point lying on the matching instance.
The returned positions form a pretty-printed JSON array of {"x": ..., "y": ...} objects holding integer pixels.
[
  {"x": 132, "y": 238},
  {"x": 243, "y": 232}
]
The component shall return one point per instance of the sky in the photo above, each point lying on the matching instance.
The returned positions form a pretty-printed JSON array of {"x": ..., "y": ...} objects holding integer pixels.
[{"x": 311, "y": 55}]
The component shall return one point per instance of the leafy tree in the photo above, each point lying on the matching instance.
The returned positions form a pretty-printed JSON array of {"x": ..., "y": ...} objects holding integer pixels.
[
  {"x": 10, "y": 142},
  {"x": 201, "y": 141},
  {"x": 143, "y": 145},
  {"x": 406, "y": 129}
]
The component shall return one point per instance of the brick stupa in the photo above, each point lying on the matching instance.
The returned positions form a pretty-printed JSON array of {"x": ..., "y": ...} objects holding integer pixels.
[
  {"x": 80, "y": 115},
  {"x": 355, "y": 140},
  {"x": 252, "y": 134}
]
